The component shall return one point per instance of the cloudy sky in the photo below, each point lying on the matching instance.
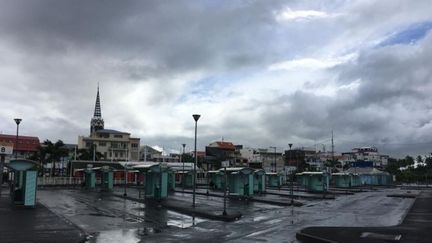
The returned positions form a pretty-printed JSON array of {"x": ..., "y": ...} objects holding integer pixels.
[{"x": 261, "y": 73}]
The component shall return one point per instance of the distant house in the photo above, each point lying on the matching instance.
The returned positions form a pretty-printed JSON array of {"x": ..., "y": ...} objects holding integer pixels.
[{"x": 25, "y": 147}]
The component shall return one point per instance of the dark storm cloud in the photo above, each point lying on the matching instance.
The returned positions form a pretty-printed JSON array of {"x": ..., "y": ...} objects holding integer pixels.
[{"x": 175, "y": 35}]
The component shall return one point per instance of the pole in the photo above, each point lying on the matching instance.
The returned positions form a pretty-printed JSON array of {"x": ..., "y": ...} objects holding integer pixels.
[
  {"x": 125, "y": 180},
  {"x": 183, "y": 170},
  {"x": 2, "y": 160},
  {"x": 196, "y": 117},
  {"x": 207, "y": 179},
  {"x": 17, "y": 121},
  {"x": 225, "y": 190},
  {"x": 292, "y": 176}
]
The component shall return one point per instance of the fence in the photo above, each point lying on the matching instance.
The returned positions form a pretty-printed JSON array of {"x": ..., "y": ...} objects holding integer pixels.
[
  {"x": 59, "y": 181},
  {"x": 67, "y": 181}
]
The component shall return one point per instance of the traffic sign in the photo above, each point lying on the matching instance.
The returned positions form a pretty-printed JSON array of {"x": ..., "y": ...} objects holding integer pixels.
[
  {"x": 225, "y": 163},
  {"x": 6, "y": 149}
]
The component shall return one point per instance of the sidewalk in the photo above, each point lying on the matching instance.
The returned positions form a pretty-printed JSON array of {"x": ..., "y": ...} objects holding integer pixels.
[
  {"x": 39, "y": 224},
  {"x": 416, "y": 227}
]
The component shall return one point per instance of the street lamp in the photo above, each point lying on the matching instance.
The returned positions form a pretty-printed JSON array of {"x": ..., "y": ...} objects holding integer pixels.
[
  {"x": 183, "y": 171},
  {"x": 274, "y": 159},
  {"x": 195, "y": 117},
  {"x": 292, "y": 175},
  {"x": 17, "y": 121}
]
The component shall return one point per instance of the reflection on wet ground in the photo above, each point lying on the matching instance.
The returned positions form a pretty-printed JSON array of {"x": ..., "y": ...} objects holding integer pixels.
[{"x": 112, "y": 219}]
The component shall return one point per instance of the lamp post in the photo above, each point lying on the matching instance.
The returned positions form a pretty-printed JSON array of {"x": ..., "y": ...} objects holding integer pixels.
[
  {"x": 183, "y": 171},
  {"x": 17, "y": 121},
  {"x": 292, "y": 175},
  {"x": 195, "y": 117},
  {"x": 125, "y": 180},
  {"x": 274, "y": 159}
]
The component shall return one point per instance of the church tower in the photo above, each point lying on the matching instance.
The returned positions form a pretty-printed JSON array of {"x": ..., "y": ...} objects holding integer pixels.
[{"x": 97, "y": 122}]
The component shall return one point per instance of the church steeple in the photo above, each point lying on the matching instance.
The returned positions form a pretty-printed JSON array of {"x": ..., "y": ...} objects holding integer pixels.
[
  {"x": 97, "y": 122},
  {"x": 97, "y": 110}
]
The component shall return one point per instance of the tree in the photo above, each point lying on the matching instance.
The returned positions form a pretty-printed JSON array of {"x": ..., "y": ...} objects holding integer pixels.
[
  {"x": 87, "y": 153},
  {"x": 50, "y": 152}
]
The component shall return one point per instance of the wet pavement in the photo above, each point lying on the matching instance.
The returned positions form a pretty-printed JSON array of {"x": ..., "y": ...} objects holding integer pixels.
[
  {"x": 416, "y": 227},
  {"x": 20, "y": 224},
  {"x": 108, "y": 218}
]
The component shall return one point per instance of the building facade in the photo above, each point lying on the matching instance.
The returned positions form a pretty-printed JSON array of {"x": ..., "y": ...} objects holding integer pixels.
[
  {"x": 369, "y": 153},
  {"x": 24, "y": 147}
]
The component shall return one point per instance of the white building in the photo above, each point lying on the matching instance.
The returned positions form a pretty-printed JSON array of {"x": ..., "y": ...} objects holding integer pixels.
[{"x": 369, "y": 153}]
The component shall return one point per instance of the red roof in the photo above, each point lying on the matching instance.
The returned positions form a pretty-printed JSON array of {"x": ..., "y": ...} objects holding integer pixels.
[
  {"x": 225, "y": 145},
  {"x": 25, "y": 143}
]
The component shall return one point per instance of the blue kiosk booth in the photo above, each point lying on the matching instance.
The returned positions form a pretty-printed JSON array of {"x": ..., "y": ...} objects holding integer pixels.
[{"x": 24, "y": 182}]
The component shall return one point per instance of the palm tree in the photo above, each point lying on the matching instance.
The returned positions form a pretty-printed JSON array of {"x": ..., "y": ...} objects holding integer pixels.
[
  {"x": 50, "y": 152},
  {"x": 87, "y": 153}
]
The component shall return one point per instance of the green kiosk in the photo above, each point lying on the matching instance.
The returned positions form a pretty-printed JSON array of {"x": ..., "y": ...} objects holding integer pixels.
[
  {"x": 274, "y": 179},
  {"x": 155, "y": 180},
  {"x": 90, "y": 178},
  {"x": 240, "y": 181},
  {"x": 107, "y": 181},
  {"x": 259, "y": 181},
  {"x": 188, "y": 176},
  {"x": 343, "y": 180},
  {"x": 171, "y": 179},
  {"x": 24, "y": 182},
  {"x": 217, "y": 179},
  {"x": 315, "y": 181}
]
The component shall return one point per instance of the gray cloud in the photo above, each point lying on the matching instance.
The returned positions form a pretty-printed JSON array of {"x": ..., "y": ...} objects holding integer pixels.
[{"x": 52, "y": 54}]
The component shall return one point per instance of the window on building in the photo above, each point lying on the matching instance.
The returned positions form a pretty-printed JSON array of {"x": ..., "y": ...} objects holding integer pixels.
[
  {"x": 134, "y": 145},
  {"x": 115, "y": 154},
  {"x": 118, "y": 136},
  {"x": 102, "y": 144},
  {"x": 88, "y": 144}
]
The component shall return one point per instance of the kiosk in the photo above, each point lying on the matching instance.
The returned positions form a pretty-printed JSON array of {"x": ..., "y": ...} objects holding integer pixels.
[
  {"x": 155, "y": 180},
  {"x": 315, "y": 181},
  {"x": 274, "y": 179},
  {"x": 259, "y": 181},
  {"x": 240, "y": 181},
  {"x": 89, "y": 178},
  {"x": 107, "y": 180},
  {"x": 217, "y": 179},
  {"x": 343, "y": 180},
  {"x": 24, "y": 182}
]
